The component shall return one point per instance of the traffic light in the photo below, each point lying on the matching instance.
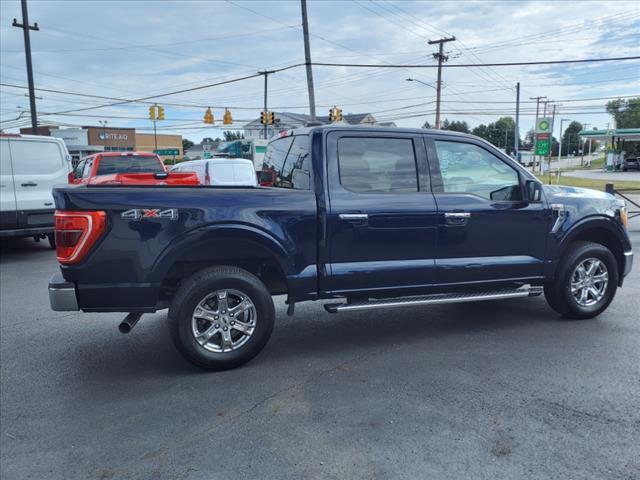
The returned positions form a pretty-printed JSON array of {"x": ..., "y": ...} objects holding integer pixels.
[
  {"x": 267, "y": 118},
  {"x": 335, "y": 114},
  {"x": 227, "y": 119},
  {"x": 208, "y": 116},
  {"x": 152, "y": 112},
  {"x": 160, "y": 112}
]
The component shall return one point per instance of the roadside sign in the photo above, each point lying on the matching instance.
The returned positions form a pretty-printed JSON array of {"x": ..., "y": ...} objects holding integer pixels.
[
  {"x": 207, "y": 154},
  {"x": 543, "y": 136},
  {"x": 167, "y": 151},
  {"x": 543, "y": 125}
]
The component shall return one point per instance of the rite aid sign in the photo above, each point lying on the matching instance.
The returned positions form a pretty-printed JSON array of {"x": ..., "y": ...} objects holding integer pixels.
[{"x": 112, "y": 136}]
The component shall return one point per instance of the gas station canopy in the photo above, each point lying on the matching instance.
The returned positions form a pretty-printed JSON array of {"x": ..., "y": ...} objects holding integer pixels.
[{"x": 630, "y": 134}]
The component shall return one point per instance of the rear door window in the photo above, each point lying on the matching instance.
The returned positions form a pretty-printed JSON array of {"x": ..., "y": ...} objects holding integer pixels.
[
  {"x": 36, "y": 158},
  {"x": 377, "y": 165}
]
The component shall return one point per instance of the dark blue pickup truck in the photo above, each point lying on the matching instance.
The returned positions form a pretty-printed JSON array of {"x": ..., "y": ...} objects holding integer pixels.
[{"x": 370, "y": 217}]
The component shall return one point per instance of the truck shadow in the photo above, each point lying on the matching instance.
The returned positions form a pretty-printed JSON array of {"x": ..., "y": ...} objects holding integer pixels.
[
  {"x": 11, "y": 248},
  {"x": 149, "y": 352},
  {"x": 374, "y": 329}
]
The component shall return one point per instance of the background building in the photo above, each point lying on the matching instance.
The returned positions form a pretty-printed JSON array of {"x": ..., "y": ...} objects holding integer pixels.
[
  {"x": 287, "y": 121},
  {"x": 77, "y": 141},
  {"x": 146, "y": 142},
  {"x": 113, "y": 139}
]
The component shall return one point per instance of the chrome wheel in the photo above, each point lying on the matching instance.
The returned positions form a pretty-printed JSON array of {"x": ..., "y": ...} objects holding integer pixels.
[
  {"x": 589, "y": 282},
  {"x": 224, "y": 320}
]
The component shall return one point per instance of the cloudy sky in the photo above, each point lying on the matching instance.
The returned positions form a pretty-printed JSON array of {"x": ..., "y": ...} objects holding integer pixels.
[{"x": 134, "y": 49}]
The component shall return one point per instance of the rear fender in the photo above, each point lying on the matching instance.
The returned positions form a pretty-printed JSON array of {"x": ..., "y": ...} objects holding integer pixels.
[{"x": 221, "y": 241}]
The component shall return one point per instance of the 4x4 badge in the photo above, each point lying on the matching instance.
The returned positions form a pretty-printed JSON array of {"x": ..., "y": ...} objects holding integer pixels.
[{"x": 140, "y": 213}]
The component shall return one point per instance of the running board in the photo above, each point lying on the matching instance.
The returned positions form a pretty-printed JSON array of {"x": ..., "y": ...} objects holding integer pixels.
[{"x": 524, "y": 291}]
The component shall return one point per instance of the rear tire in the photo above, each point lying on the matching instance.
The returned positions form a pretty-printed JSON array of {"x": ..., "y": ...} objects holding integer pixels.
[
  {"x": 52, "y": 240},
  {"x": 221, "y": 318},
  {"x": 586, "y": 281}
]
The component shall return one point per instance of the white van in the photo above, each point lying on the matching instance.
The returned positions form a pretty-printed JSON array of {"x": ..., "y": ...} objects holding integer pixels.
[
  {"x": 30, "y": 165},
  {"x": 230, "y": 172}
]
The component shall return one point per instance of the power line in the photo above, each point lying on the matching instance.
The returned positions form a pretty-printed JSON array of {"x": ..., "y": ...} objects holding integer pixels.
[{"x": 469, "y": 65}]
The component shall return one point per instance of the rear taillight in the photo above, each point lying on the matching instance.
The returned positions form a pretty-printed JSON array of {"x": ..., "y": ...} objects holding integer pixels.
[
  {"x": 71, "y": 178},
  {"x": 76, "y": 233}
]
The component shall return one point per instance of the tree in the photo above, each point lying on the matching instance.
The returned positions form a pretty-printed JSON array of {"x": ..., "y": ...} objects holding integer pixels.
[
  {"x": 625, "y": 113},
  {"x": 571, "y": 139},
  {"x": 499, "y": 133},
  {"x": 455, "y": 126},
  {"x": 427, "y": 125},
  {"x": 186, "y": 144},
  {"x": 229, "y": 135}
]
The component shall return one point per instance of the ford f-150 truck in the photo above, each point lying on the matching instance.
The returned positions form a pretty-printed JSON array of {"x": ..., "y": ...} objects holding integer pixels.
[{"x": 367, "y": 217}]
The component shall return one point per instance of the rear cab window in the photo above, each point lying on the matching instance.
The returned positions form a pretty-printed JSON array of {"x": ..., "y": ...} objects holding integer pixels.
[
  {"x": 129, "y": 164},
  {"x": 288, "y": 161}
]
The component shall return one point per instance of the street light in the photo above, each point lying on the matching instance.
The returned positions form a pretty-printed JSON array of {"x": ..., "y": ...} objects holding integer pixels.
[
  {"x": 562, "y": 120},
  {"x": 420, "y": 81},
  {"x": 428, "y": 85}
]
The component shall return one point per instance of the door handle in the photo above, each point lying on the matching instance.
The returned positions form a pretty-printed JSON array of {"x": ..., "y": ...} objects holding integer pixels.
[
  {"x": 29, "y": 184},
  {"x": 456, "y": 218},
  {"x": 354, "y": 217}
]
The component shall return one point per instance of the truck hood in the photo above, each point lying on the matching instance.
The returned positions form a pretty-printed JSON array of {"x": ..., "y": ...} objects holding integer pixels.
[{"x": 583, "y": 201}]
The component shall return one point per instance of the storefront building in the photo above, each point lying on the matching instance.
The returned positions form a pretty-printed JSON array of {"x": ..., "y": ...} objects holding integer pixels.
[
  {"x": 146, "y": 142},
  {"x": 112, "y": 139}
]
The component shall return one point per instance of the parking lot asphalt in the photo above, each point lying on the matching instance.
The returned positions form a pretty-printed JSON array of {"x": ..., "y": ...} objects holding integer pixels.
[{"x": 494, "y": 390}]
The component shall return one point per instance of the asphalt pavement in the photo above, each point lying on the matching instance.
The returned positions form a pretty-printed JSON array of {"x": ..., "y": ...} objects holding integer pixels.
[{"x": 494, "y": 390}]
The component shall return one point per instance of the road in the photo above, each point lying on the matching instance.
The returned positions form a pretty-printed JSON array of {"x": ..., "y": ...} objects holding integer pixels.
[{"x": 500, "y": 390}]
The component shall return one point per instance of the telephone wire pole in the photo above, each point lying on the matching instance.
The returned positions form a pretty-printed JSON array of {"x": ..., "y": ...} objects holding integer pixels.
[
  {"x": 441, "y": 57},
  {"x": 27, "y": 52},
  {"x": 307, "y": 61}
]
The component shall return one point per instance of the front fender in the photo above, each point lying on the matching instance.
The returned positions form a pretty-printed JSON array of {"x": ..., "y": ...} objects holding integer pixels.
[{"x": 602, "y": 229}]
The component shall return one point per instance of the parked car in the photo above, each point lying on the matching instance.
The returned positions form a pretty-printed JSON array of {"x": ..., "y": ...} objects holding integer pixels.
[
  {"x": 110, "y": 163},
  {"x": 221, "y": 171},
  {"x": 30, "y": 166},
  {"x": 632, "y": 163},
  {"x": 366, "y": 217}
]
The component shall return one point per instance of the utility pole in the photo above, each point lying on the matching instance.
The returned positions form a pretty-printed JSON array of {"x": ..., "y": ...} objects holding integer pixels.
[
  {"x": 307, "y": 61},
  {"x": 266, "y": 74},
  {"x": 516, "y": 133},
  {"x": 27, "y": 52},
  {"x": 155, "y": 117},
  {"x": 441, "y": 57},
  {"x": 584, "y": 127},
  {"x": 553, "y": 121},
  {"x": 535, "y": 127},
  {"x": 562, "y": 120}
]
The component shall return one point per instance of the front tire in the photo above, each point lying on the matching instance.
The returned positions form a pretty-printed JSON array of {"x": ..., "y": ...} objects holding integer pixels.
[
  {"x": 586, "y": 281},
  {"x": 221, "y": 318}
]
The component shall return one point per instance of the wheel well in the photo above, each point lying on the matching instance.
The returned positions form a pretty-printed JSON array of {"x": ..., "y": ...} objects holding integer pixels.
[
  {"x": 262, "y": 266},
  {"x": 608, "y": 239}
]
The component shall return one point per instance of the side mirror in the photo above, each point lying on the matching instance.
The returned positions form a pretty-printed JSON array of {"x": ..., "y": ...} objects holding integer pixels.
[{"x": 534, "y": 190}]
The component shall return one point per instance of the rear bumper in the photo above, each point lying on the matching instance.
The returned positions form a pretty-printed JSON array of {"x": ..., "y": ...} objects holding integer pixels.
[
  {"x": 26, "y": 232},
  {"x": 62, "y": 294}
]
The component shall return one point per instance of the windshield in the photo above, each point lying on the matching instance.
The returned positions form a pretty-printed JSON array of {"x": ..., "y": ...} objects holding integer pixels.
[{"x": 129, "y": 164}]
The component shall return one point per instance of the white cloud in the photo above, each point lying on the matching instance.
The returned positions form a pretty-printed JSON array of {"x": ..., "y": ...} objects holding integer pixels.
[{"x": 87, "y": 47}]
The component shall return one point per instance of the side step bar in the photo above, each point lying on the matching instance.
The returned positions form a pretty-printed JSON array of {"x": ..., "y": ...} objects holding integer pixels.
[{"x": 437, "y": 298}]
